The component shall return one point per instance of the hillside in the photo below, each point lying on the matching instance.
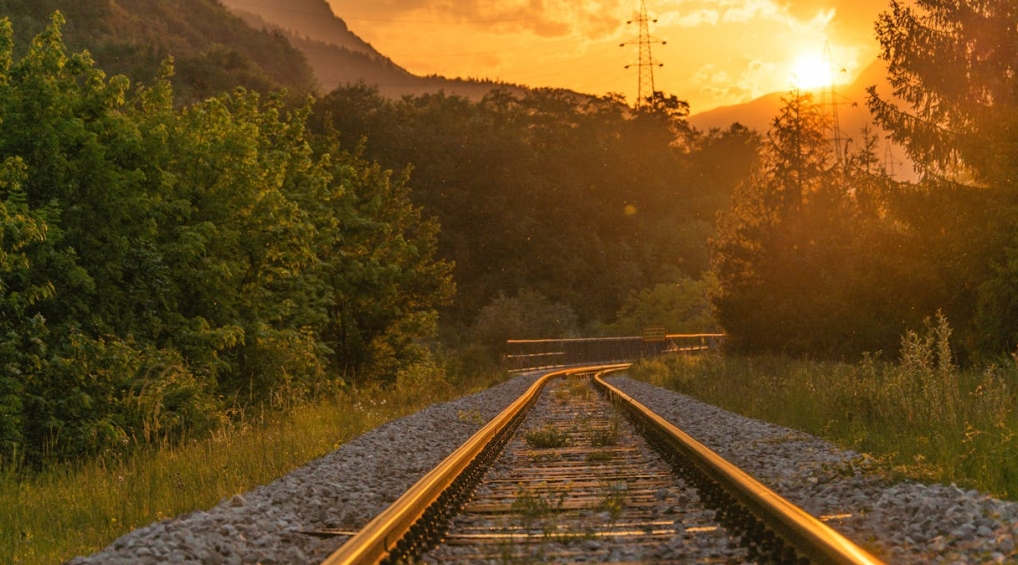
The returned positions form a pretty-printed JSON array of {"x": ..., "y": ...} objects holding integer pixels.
[
  {"x": 309, "y": 19},
  {"x": 339, "y": 57},
  {"x": 213, "y": 50}
]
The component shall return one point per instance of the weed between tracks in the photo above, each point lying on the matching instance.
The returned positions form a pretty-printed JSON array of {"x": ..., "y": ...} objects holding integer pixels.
[
  {"x": 600, "y": 456},
  {"x": 532, "y": 505},
  {"x": 546, "y": 437},
  {"x": 606, "y": 437},
  {"x": 921, "y": 417},
  {"x": 613, "y": 497}
]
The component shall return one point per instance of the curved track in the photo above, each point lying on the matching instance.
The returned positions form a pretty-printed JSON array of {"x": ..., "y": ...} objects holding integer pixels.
[{"x": 566, "y": 474}]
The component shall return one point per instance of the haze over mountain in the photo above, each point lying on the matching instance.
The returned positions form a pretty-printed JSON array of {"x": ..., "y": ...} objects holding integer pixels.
[
  {"x": 853, "y": 115},
  {"x": 311, "y": 19}
]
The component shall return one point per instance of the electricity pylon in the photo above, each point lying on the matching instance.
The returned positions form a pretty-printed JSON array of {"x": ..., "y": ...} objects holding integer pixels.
[
  {"x": 646, "y": 64},
  {"x": 839, "y": 151}
]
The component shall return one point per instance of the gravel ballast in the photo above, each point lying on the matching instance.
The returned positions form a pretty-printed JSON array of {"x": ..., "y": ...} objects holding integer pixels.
[{"x": 902, "y": 523}]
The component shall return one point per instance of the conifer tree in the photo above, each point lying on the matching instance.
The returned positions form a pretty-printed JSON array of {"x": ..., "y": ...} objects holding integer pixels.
[
  {"x": 953, "y": 64},
  {"x": 762, "y": 254}
]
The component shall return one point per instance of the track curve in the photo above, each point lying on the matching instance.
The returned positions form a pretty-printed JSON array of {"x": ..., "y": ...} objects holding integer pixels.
[{"x": 577, "y": 482}]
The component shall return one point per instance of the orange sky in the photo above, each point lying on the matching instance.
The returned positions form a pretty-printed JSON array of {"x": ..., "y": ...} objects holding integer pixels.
[{"x": 718, "y": 52}]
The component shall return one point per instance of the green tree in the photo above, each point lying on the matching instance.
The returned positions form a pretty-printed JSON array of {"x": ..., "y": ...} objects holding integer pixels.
[
  {"x": 528, "y": 315},
  {"x": 156, "y": 258},
  {"x": 680, "y": 307},
  {"x": 22, "y": 348},
  {"x": 770, "y": 252},
  {"x": 580, "y": 199},
  {"x": 379, "y": 261},
  {"x": 952, "y": 64}
]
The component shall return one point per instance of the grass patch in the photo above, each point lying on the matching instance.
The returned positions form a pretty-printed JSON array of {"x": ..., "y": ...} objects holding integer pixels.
[
  {"x": 600, "y": 456},
  {"x": 51, "y": 516},
  {"x": 606, "y": 437},
  {"x": 532, "y": 505},
  {"x": 545, "y": 437},
  {"x": 612, "y": 498},
  {"x": 535, "y": 509},
  {"x": 922, "y": 415}
]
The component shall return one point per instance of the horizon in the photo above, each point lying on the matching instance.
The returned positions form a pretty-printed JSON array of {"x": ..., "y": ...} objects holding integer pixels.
[{"x": 717, "y": 53}]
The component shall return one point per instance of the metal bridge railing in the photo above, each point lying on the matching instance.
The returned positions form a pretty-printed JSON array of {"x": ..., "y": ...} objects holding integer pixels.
[{"x": 538, "y": 354}]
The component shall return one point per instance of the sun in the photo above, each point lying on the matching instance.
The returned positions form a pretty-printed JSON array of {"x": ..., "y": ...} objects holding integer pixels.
[{"x": 811, "y": 72}]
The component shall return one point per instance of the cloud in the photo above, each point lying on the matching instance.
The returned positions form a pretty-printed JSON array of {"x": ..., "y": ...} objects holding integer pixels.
[{"x": 702, "y": 16}]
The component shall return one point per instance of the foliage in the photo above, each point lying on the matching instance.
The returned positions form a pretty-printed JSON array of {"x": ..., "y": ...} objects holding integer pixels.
[
  {"x": 680, "y": 307},
  {"x": 923, "y": 416},
  {"x": 528, "y": 315},
  {"x": 580, "y": 199},
  {"x": 215, "y": 51},
  {"x": 161, "y": 265},
  {"x": 952, "y": 63},
  {"x": 546, "y": 437},
  {"x": 833, "y": 258},
  {"x": 773, "y": 251},
  {"x": 952, "y": 68}
]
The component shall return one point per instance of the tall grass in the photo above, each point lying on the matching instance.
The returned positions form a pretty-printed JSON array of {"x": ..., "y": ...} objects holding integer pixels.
[
  {"x": 922, "y": 415},
  {"x": 53, "y": 515}
]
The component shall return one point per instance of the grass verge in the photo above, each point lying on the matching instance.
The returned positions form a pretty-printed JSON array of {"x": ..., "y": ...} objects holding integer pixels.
[
  {"x": 65, "y": 511},
  {"x": 922, "y": 416}
]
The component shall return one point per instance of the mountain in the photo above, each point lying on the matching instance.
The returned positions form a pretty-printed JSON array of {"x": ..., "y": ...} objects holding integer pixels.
[
  {"x": 309, "y": 19},
  {"x": 213, "y": 50},
  {"x": 853, "y": 115},
  {"x": 339, "y": 57}
]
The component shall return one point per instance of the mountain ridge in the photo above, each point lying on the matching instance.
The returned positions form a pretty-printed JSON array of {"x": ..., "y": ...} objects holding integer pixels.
[
  {"x": 314, "y": 19},
  {"x": 339, "y": 57},
  {"x": 213, "y": 50}
]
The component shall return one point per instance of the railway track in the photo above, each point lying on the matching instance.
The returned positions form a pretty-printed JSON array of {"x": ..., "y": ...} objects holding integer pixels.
[{"x": 574, "y": 471}]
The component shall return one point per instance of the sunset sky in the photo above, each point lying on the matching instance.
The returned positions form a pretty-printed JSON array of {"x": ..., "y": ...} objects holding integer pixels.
[{"x": 718, "y": 52}]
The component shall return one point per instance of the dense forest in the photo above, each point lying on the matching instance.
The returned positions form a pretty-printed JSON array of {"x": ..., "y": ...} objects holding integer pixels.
[
  {"x": 580, "y": 200},
  {"x": 174, "y": 250},
  {"x": 168, "y": 262}
]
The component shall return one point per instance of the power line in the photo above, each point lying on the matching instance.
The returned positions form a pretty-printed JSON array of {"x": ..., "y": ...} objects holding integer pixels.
[
  {"x": 839, "y": 151},
  {"x": 646, "y": 64}
]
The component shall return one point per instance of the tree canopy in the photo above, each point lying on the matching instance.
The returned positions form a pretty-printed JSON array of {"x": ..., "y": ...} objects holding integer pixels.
[
  {"x": 160, "y": 264},
  {"x": 823, "y": 258},
  {"x": 953, "y": 66},
  {"x": 580, "y": 199}
]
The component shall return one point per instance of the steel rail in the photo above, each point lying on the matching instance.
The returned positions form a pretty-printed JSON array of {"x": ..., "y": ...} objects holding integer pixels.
[
  {"x": 816, "y": 540},
  {"x": 376, "y": 540},
  {"x": 596, "y": 339}
]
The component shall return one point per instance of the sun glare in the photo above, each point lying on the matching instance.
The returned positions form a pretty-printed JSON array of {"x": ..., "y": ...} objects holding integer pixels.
[{"x": 811, "y": 72}]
